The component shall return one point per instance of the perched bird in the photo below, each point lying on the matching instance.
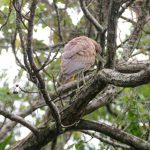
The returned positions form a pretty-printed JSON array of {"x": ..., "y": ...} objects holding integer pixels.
[{"x": 79, "y": 55}]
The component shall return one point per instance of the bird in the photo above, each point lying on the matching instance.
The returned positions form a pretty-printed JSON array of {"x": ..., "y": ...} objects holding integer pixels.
[{"x": 78, "y": 56}]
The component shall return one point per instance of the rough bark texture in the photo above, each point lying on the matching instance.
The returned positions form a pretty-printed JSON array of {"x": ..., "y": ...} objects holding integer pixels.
[
  {"x": 115, "y": 133},
  {"x": 73, "y": 113}
]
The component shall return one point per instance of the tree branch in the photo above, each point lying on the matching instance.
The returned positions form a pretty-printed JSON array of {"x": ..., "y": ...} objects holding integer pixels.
[
  {"x": 125, "y": 80},
  {"x": 112, "y": 33},
  {"x": 114, "y": 133},
  {"x": 14, "y": 50},
  {"x": 103, "y": 98},
  {"x": 131, "y": 67},
  {"x": 90, "y": 17},
  {"x": 95, "y": 85},
  {"x": 17, "y": 7},
  {"x": 18, "y": 119},
  {"x": 128, "y": 20},
  {"x": 47, "y": 134},
  {"x": 81, "y": 99},
  {"x": 40, "y": 82},
  {"x": 58, "y": 21},
  {"x": 125, "y": 7},
  {"x": 135, "y": 36},
  {"x": 7, "y": 18},
  {"x": 11, "y": 124},
  {"x": 105, "y": 140}
]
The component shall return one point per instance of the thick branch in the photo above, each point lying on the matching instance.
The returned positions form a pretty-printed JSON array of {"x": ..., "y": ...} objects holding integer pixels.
[
  {"x": 112, "y": 33},
  {"x": 125, "y": 80},
  {"x": 47, "y": 134},
  {"x": 75, "y": 111},
  {"x": 81, "y": 99},
  {"x": 114, "y": 133},
  {"x": 131, "y": 67},
  {"x": 102, "y": 99},
  {"x": 107, "y": 141},
  {"x": 97, "y": 84},
  {"x": 40, "y": 103}
]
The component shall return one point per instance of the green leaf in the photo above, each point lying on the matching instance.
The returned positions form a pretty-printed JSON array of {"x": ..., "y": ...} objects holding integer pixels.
[
  {"x": 41, "y": 6},
  {"x": 77, "y": 135},
  {"x": 142, "y": 97},
  {"x": 79, "y": 145},
  {"x": 6, "y": 96},
  {"x": 4, "y": 2},
  {"x": 70, "y": 146},
  {"x": 4, "y": 143}
]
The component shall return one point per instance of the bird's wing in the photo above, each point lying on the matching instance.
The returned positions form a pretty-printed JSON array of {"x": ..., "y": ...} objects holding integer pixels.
[
  {"x": 76, "y": 63},
  {"x": 71, "y": 50},
  {"x": 76, "y": 47}
]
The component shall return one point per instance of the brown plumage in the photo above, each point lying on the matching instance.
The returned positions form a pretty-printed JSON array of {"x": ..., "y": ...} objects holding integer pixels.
[{"x": 79, "y": 55}]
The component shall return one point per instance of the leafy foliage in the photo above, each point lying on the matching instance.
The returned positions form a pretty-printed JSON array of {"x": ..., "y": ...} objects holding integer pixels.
[{"x": 6, "y": 141}]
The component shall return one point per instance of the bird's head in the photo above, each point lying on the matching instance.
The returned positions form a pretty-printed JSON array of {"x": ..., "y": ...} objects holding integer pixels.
[
  {"x": 98, "y": 47},
  {"x": 98, "y": 50}
]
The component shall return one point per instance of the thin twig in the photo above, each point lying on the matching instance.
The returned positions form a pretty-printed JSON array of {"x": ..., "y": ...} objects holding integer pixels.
[
  {"x": 19, "y": 29},
  {"x": 14, "y": 50},
  {"x": 47, "y": 62},
  {"x": 128, "y": 20},
  {"x": 122, "y": 43},
  {"x": 136, "y": 34},
  {"x": 90, "y": 17},
  {"x": 9, "y": 13},
  {"x": 18, "y": 119},
  {"x": 55, "y": 88},
  {"x": 58, "y": 21},
  {"x": 25, "y": 91},
  {"x": 125, "y": 7},
  {"x": 17, "y": 7}
]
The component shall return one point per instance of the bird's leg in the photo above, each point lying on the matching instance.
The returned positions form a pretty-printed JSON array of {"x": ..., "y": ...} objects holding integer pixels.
[
  {"x": 78, "y": 81},
  {"x": 80, "y": 77},
  {"x": 84, "y": 82}
]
